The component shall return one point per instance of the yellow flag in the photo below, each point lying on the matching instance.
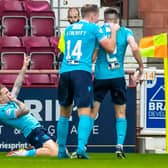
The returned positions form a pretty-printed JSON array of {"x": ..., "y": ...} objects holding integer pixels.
[{"x": 154, "y": 46}]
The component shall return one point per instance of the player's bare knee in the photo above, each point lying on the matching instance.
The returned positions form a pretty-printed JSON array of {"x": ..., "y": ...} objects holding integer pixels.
[
  {"x": 53, "y": 152},
  {"x": 52, "y": 147},
  {"x": 120, "y": 114}
]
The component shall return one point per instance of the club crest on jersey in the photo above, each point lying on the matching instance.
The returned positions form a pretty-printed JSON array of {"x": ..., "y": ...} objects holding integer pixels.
[
  {"x": 108, "y": 29},
  {"x": 100, "y": 30},
  {"x": 77, "y": 26}
]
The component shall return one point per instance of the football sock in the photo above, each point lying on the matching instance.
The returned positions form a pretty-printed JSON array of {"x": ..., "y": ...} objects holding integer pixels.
[
  {"x": 121, "y": 128},
  {"x": 31, "y": 152},
  {"x": 84, "y": 129},
  {"x": 62, "y": 133},
  {"x": 91, "y": 123}
]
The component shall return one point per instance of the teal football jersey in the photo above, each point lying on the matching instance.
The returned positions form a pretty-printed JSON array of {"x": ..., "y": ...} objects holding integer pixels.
[
  {"x": 25, "y": 123},
  {"x": 80, "y": 41},
  {"x": 108, "y": 65}
]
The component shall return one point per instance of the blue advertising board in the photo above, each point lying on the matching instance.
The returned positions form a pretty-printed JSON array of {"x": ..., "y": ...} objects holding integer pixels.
[
  {"x": 155, "y": 103},
  {"x": 43, "y": 104}
]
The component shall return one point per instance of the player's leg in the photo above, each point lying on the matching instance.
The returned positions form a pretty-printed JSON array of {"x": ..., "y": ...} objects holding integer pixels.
[
  {"x": 95, "y": 110},
  {"x": 83, "y": 98},
  {"x": 84, "y": 129},
  {"x": 42, "y": 142},
  {"x": 43, "y": 145},
  {"x": 62, "y": 130},
  {"x": 65, "y": 97},
  {"x": 121, "y": 128},
  {"x": 118, "y": 93},
  {"x": 99, "y": 89},
  {"x": 49, "y": 148}
]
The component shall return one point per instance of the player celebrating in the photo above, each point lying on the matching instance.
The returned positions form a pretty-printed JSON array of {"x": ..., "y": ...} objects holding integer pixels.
[
  {"x": 76, "y": 79},
  {"x": 109, "y": 75},
  {"x": 13, "y": 112}
]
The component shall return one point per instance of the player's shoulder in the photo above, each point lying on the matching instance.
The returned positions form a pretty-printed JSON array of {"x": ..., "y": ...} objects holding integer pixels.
[
  {"x": 126, "y": 29},
  {"x": 93, "y": 25},
  {"x": 94, "y": 28},
  {"x": 6, "y": 105},
  {"x": 4, "y": 109},
  {"x": 1, "y": 108},
  {"x": 68, "y": 27}
]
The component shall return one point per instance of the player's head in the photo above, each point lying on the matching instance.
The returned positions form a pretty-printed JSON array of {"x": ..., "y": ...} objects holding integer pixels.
[
  {"x": 4, "y": 94},
  {"x": 73, "y": 15},
  {"x": 90, "y": 12},
  {"x": 111, "y": 15}
]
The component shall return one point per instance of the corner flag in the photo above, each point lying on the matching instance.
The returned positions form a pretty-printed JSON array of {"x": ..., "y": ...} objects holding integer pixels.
[{"x": 154, "y": 46}]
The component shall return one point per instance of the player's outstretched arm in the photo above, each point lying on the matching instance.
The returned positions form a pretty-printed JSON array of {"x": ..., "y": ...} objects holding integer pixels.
[{"x": 20, "y": 78}]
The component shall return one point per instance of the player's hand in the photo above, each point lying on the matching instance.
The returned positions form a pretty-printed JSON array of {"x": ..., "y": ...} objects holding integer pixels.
[
  {"x": 114, "y": 26},
  {"x": 26, "y": 61},
  {"x": 138, "y": 75},
  {"x": 11, "y": 97}
]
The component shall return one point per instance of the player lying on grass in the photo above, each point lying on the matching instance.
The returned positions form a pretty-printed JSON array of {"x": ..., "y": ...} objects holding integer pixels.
[{"x": 13, "y": 112}]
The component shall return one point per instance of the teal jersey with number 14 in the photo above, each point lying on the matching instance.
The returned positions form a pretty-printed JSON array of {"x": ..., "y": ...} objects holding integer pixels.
[{"x": 80, "y": 41}]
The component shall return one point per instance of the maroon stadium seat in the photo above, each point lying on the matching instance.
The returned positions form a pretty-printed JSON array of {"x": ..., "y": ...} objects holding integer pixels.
[
  {"x": 42, "y": 24},
  {"x": 1, "y": 7},
  {"x": 54, "y": 43},
  {"x": 33, "y": 42},
  {"x": 9, "y": 79},
  {"x": 13, "y": 41},
  {"x": 12, "y": 53},
  {"x": 0, "y": 43},
  {"x": 36, "y": 6},
  {"x": 14, "y": 19},
  {"x": 55, "y": 78},
  {"x": 12, "y": 60},
  {"x": 42, "y": 60},
  {"x": 40, "y": 79},
  {"x": 42, "y": 18},
  {"x": 41, "y": 52}
]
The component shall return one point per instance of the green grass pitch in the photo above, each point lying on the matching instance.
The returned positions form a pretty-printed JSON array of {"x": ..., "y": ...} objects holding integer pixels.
[{"x": 97, "y": 160}]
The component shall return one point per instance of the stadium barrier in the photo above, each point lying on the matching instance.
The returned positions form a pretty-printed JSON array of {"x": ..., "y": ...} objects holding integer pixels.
[
  {"x": 151, "y": 132},
  {"x": 43, "y": 104}
]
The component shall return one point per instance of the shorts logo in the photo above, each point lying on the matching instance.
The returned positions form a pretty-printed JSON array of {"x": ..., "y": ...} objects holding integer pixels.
[{"x": 89, "y": 88}]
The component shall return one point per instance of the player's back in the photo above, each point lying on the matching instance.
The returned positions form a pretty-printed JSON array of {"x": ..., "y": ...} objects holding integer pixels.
[
  {"x": 80, "y": 40},
  {"x": 110, "y": 65},
  {"x": 25, "y": 123}
]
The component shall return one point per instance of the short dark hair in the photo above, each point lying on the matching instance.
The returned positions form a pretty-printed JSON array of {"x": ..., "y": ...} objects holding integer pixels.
[
  {"x": 88, "y": 8},
  {"x": 111, "y": 11}
]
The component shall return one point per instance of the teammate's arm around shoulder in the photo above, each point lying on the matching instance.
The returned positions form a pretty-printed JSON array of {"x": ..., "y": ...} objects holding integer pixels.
[
  {"x": 20, "y": 78},
  {"x": 109, "y": 44},
  {"x": 137, "y": 56}
]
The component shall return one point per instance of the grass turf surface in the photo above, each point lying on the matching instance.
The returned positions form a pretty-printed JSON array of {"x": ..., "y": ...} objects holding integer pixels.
[{"x": 97, "y": 160}]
